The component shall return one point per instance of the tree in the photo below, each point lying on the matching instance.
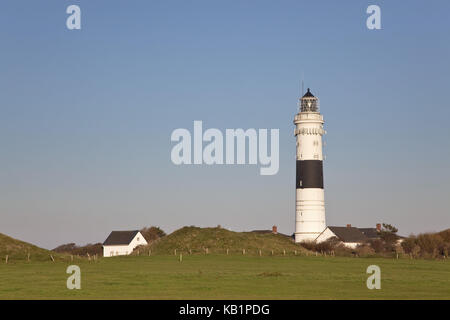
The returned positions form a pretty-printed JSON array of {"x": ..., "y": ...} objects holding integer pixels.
[
  {"x": 389, "y": 228},
  {"x": 389, "y": 233},
  {"x": 389, "y": 237}
]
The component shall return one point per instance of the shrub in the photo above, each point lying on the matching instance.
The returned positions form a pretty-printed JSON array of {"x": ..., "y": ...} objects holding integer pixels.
[
  {"x": 331, "y": 245},
  {"x": 416, "y": 251},
  {"x": 431, "y": 245},
  {"x": 152, "y": 233},
  {"x": 341, "y": 250},
  {"x": 408, "y": 244},
  {"x": 428, "y": 245},
  {"x": 72, "y": 248},
  {"x": 377, "y": 245},
  {"x": 68, "y": 247},
  {"x": 445, "y": 235},
  {"x": 326, "y": 246},
  {"x": 364, "y": 250}
]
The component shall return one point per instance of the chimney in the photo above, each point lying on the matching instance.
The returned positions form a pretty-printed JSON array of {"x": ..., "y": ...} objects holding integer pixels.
[
  {"x": 274, "y": 230},
  {"x": 379, "y": 227},
  {"x": 349, "y": 226}
]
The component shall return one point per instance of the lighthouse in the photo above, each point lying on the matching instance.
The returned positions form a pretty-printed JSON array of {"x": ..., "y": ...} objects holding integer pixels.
[{"x": 309, "y": 200}]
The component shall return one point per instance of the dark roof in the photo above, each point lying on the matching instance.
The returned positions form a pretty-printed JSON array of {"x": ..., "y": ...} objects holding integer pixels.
[
  {"x": 348, "y": 234},
  {"x": 120, "y": 237},
  {"x": 308, "y": 94},
  {"x": 370, "y": 233}
]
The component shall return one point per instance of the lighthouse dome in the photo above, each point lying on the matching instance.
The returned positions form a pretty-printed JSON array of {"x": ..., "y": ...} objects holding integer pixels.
[{"x": 308, "y": 94}]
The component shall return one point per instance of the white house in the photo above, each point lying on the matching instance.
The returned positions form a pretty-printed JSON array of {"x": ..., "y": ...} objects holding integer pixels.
[
  {"x": 349, "y": 236},
  {"x": 121, "y": 243}
]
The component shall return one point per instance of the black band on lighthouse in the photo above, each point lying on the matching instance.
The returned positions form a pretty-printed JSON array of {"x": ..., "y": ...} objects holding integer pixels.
[{"x": 309, "y": 174}]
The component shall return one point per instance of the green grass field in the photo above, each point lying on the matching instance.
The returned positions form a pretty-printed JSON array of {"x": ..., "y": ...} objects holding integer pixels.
[{"x": 227, "y": 277}]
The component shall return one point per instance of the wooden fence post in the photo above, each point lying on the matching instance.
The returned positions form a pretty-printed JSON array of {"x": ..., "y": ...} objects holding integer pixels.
[
  {"x": 295, "y": 252},
  {"x": 52, "y": 258},
  {"x": 243, "y": 251},
  {"x": 28, "y": 257},
  {"x": 284, "y": 252},
  {"x": 260, "y": 252},
  {"x": 272, "y": 252},
  {"x": 6, "y": 260},
  {"x": 227, "y": 251},
  {"x": 181, "y": 257}
]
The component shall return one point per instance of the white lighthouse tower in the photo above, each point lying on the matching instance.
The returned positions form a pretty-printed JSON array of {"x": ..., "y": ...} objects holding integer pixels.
[{"x": 310, "y": 202}]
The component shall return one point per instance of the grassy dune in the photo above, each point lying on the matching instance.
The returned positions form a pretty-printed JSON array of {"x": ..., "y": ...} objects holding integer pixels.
[
  {"x": 196, "y": 240},
  {"x": 19, "y": 251},
  {"x": 227, "y": 277}
]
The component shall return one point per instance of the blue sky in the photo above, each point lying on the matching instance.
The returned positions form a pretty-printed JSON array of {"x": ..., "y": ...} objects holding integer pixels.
[{"x": 86, "y": 116}]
